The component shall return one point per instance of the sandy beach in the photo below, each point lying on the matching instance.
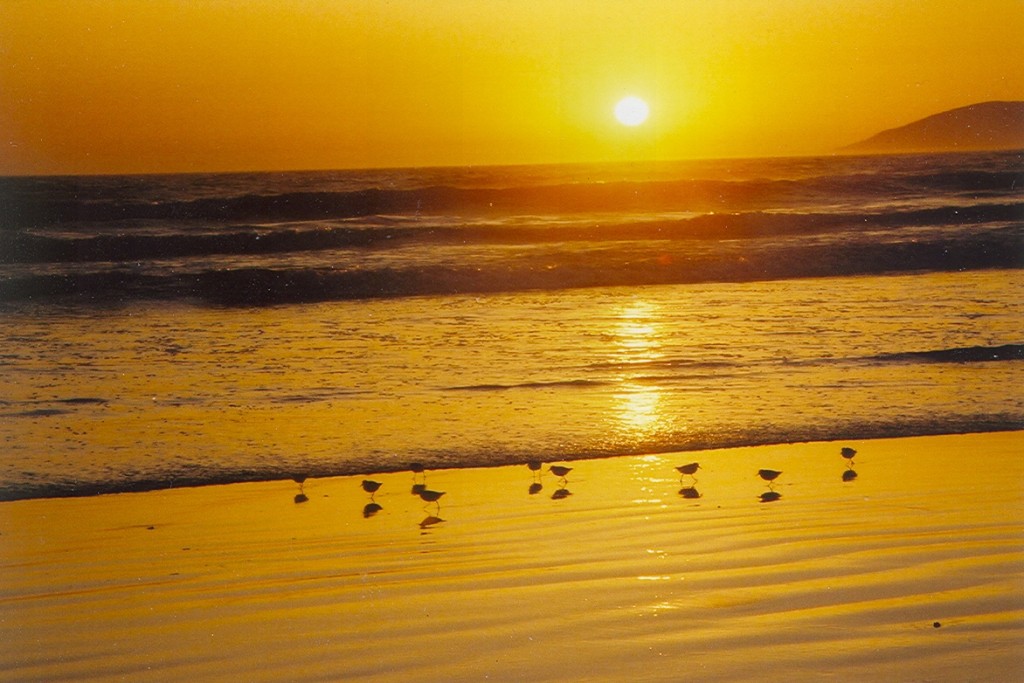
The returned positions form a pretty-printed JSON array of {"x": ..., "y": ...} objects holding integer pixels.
[{"x": 911, "y": 571}]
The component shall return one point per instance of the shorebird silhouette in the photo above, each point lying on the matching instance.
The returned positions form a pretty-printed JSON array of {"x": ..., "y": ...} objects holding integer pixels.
[
  {"x": 848, "y": 453},
  {"x": 371, "y": 486},
  {"x": 560, "y": 471},
  {"x": 689, "y": 469},
  {"x": 535, "y": 466},
  {"x": 419, "y": 473},
  {"x": 769, "y": 476},
  {"x": 432, "y": 497}
]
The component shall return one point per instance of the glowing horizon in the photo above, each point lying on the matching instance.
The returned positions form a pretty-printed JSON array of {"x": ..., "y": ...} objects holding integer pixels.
[{"x": 165, "y": 86}]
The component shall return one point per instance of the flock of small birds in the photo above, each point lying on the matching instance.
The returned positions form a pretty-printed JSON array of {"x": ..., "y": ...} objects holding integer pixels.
[{"x": 689, "y": 490}]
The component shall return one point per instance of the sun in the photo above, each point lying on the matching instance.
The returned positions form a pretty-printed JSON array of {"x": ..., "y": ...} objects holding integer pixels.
[{"x": 631, "y": 111}]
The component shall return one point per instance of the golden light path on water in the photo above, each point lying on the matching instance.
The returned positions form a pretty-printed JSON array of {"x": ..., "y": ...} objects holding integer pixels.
[{"x": 639, "y": 341}]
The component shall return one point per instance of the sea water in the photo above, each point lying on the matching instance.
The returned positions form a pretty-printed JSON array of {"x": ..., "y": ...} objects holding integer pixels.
[{"x": 176, "y": 330}]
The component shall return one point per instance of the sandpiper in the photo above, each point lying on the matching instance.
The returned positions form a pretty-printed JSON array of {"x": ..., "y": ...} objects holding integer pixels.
[
  {"x": 769, "y": 476},
  {"x": 848, "y": 453},
  {"x": 560, "y": 470},
  {"x": 371, "y": 486},
  {"x": 690, "y": 468},
  {"x": 431, "y": 496}
]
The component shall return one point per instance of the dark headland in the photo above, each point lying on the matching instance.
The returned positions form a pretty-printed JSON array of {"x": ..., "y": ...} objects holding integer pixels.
[{"x": 984, "y": 126}]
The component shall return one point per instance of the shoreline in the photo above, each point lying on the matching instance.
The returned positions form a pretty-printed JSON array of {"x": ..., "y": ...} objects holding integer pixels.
[
  {"x": 58, "y": 491},
  {"x": 624, "y": 576}
]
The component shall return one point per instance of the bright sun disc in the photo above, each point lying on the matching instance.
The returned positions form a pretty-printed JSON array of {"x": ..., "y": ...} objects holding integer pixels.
[{"x": 631, "y": 111}]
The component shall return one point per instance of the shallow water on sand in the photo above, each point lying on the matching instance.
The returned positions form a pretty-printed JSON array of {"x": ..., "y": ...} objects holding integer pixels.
[{"x": 157, "y": 395}]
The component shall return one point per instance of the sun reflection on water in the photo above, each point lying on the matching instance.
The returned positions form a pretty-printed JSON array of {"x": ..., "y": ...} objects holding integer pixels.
[{"x": 638, "y": 340}]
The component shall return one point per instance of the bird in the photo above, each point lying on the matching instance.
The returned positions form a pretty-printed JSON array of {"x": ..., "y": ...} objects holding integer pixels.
[
  {"x": 417, "y": 467},
  {"x": 560, "y": 470},
  {"x": 689, "y": 469},
  {"x": 431, "y": 496},
  {"x": 371, "y": 486},
  {"x": 299, "y": 479},
  {"x": 535, "y": 465},
  {"x": 769, "y": 476},
  {"x": 848, "y": 453}
]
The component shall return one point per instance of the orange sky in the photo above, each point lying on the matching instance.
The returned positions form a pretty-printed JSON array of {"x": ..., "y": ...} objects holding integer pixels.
[{"x": 101, "y": 86}]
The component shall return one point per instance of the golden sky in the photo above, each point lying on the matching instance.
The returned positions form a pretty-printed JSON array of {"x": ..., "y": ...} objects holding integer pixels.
[{"x": 101, "y": 86}]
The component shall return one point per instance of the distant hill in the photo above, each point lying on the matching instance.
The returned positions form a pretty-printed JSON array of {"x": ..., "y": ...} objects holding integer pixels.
[{"x": 989, "y": 125}]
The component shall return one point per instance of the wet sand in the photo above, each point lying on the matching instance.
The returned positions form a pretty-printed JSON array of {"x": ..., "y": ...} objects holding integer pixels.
[{"x": 913, "y": 570}]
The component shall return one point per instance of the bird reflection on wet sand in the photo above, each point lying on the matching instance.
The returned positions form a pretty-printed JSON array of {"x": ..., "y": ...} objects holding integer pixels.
[
  {"x": 689, "y": 492},
  {"x": 561, "y": 493},
  {"x": 370, "y": 509},
  {"x": 849, "y": 475},
  {"x": 430, "y": 521},
  {"x": 770, "y": 496},
  {"x": 535, "y": 488}
]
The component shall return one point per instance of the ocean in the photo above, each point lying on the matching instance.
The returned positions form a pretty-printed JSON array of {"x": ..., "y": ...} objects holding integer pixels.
[{"x": 178, "y": 330}]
